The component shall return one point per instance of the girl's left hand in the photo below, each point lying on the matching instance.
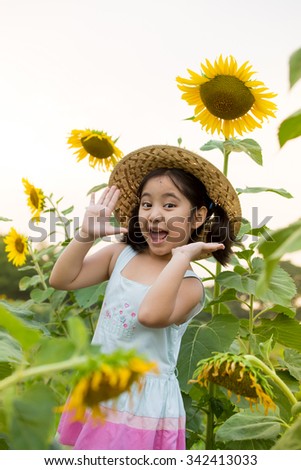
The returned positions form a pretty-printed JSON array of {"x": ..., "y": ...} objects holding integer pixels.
[{"x": 198, "y": 250}]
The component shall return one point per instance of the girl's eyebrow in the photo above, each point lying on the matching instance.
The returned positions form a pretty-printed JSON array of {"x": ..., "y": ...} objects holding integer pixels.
[{"x": 163, "y": 195}]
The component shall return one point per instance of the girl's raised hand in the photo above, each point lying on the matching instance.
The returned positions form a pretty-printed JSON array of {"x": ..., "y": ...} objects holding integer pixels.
[
  {"x": 96, "y": 222},
  {"x": 198, "y": 250}
]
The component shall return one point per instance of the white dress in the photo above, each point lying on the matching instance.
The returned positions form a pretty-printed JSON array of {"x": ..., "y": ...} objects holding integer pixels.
[{"x": 151, "y": 418}]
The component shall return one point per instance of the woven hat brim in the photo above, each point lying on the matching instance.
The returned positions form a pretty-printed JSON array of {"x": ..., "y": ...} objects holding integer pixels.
[{"x": 129, "y": 172}]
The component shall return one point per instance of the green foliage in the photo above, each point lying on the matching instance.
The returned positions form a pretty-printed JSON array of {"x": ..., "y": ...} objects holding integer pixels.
[
  {"x": 290, "y": 128},
  {"x": 295, "y": 67}
]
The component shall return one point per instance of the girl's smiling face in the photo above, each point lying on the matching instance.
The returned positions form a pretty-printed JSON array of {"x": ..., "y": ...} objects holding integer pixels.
[{"x": 165, "y": 215}]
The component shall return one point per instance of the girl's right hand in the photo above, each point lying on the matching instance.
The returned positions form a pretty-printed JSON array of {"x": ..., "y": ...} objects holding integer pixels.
[{"x": 96, "y": 222}]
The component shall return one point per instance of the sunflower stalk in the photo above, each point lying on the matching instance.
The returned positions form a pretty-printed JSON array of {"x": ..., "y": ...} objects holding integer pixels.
[
  {"x": 57, "y": 212},
  {"x": 210, "y": 440},
  {"x": 218, "y": 269},
  {"x": 255, "y": 361},
  {"x": 37, "y": 266},
  {"x": 45, "y": 369}
]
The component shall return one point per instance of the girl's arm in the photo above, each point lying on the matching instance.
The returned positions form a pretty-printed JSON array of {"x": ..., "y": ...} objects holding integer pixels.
[
  {"x": 172, "y": 296},
  {"x": 73, "y": 269}
]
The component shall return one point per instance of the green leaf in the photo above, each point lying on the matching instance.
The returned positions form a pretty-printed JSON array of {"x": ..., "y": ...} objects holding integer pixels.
[
  {"x": 90, "y": 295},
  {"x": 67, "y": 211},
  {"x": 78, "y": 333},
  {"x": 10, "y": 350},
  {"x": 54, "y": 350},
  {"x": 283, "y": 241},
  {"x": 286, "y": 331},
  {"x": 26, "y": 336},
  {"x": 97, "y": 188},
  {"x": 292, "y": 360},
  {"x": 201, "y": 341},
  {"x": 32, "y": 419},
  {"x": 5, "y": 219},
  {"x": 281, "y": 288},
  {"x": 281, "y": 309},
  {"x": 248, "y": 146},
  {"x": 244, "y": 284},
  {"x": 39, "y": 295},
  {"x": 226, "y": 296},
  {"x": 261, "y": 189},
  {"x": 245, "y": 426},
  {"x": 291, "y": 439},
  {"x": 28, "y": 281},
  {"x": 290, "y": 128},
  {"x": 295, "y": 67},
  {"x": 213, "y": 144}
]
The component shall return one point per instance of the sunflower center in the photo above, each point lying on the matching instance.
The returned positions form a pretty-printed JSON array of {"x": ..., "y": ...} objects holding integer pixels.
[
  {"x": 226, "y": 97},
  {"x": 19, "y": 245},
  {"x": 34, "y": 198},
  {"x": 233, "y": 381},
  {"x": 97, "y": 147}
]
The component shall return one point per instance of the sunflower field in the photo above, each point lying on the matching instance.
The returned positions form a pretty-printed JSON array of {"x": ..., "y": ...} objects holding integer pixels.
[{"x": 239, "y": 366}]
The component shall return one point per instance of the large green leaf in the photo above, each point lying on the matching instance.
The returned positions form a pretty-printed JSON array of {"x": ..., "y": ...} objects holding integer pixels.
[
  {"x": 247, "y": 425},
  {"x": 90, "y": 295},
  {"x": 292, "y": 360},
  {"x": 54, "y": 350},
  {"x": 281, "y": 288},
  {"x": 25, "y": 335},
  {"x": 283, "y": 241},
  {"x": 290, "y": 128},
  {"x": 78, "y": 333},
  {"x": 10, "y": 350},
  {"x": 201, "y": 341},
  {"x": 295, "y": 67},
  {"x": 286, "y": 331},
  {"x": 291, "y": 439},
  {"x": 248, "y": 146},
  {"x": 32, "y": 419}
]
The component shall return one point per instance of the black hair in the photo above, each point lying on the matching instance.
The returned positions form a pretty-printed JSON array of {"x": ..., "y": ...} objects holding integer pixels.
[{"x": 216, "y": 228}]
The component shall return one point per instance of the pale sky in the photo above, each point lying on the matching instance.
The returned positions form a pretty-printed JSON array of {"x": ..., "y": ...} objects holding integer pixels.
[{"x": 111, "y": 65}]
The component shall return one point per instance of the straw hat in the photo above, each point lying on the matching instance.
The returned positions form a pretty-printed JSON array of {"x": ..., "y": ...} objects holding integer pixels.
[{"x": 129, "y": 172}]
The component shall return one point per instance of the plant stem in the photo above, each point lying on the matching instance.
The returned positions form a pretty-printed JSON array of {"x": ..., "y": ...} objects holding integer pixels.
[
  {"x": 210, "y": 445},
  {"x": 251, "y": 319},
  {"x": 218, "y": 269},
  {"x": 270, "y": 373},
  {"x": 56, "y": 211},
  {"x": 37, "y": 267},
  {"x": 41, "y": 370}
]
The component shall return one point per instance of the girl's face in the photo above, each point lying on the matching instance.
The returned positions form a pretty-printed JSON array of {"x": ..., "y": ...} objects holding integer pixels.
[{"x": 165, "y": 215}]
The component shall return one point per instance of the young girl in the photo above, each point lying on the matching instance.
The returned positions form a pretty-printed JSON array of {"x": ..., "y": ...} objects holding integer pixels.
[{"x": 166, "y": 199}]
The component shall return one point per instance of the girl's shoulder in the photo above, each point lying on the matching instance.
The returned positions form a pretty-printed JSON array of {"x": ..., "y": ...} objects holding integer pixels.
[{"x": 117, "y": 249}]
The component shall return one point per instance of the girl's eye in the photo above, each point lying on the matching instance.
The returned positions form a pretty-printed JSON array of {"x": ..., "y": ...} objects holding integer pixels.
[
  {"x": 145, "y": 204},
  {"x": 169, "y": 205}
]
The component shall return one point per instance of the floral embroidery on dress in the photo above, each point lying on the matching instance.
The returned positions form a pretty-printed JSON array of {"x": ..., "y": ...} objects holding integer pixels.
[{"x": 121, "y": 321}]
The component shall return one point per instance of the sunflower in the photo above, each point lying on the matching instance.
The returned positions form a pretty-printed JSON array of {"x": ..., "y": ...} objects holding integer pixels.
[
  {"x": 237, "y": 375},
  {"x": 100, "y": 148},
  {"x": 105, "y": 383},
  {"x": 35, "y": 200},
  {"x": 16, "y": 247},
  {"x": 225, "y": 97}
]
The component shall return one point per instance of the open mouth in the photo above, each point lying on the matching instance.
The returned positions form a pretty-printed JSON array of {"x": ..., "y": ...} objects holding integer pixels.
[{"x": 157, "y": 236}]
